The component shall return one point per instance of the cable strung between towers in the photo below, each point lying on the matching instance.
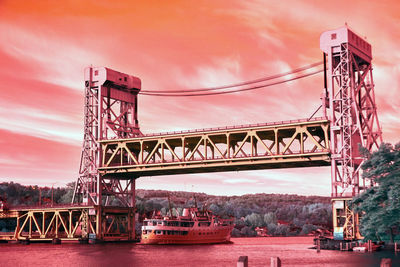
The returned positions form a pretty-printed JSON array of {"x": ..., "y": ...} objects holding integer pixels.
[{"x": 195, "y": 92}]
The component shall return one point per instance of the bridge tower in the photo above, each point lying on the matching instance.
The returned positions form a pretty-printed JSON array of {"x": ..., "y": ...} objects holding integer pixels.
[
  {"x": 110, "y": 112},
  {"x": 350, "y": 100}
]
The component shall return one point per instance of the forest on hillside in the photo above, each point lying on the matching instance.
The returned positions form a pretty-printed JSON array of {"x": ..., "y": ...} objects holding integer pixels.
[{"x": 281, "y": 214}]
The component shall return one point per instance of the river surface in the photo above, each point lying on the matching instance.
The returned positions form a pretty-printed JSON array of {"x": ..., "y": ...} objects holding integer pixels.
[{"x": 293, "y": 251}]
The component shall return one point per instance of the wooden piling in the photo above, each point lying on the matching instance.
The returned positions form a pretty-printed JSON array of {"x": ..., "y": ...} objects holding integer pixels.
[
  {"x": 396, "y": 247},
  {"x": 242, "y": 261},
  {"x": 369, "y": 245},
  {"x": 56, "y": 241},
  {"x": 386, "y": 262},
  {"x": 275, "y": 262}
]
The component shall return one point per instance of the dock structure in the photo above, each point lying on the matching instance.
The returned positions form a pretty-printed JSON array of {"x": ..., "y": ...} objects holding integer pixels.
[{"x": 69, "y": 222}]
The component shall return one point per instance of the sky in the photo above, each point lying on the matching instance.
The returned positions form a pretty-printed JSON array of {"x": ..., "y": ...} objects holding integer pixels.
[{"x": 170, "y": 45}]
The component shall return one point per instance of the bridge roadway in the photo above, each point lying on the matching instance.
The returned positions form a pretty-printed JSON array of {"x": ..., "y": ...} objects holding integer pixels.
[{"x": 285, "y": 144}]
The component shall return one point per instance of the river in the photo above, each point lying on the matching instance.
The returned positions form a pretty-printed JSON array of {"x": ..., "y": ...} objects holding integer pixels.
[{"x": 293, "y": 251}]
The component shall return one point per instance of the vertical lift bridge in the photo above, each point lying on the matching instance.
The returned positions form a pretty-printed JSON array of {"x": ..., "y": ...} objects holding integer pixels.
[
  {"x": 351, "y": 121},
  {"x": 115, "y": 153}
]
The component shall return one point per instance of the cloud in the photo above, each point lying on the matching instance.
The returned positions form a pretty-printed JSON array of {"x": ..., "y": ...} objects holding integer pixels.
[
  {"x": 62, "y": 62},
  {"x": 239, "y": 181}
]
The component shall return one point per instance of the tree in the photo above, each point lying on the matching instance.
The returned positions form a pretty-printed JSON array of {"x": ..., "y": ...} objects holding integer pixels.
[
  {"x": 214, "y": 209},
  {"x": 67, "y": 197},
  {"x": 248, "y": 231},
  {"x": 271, "y": 228},
  {"x": 307, "y": 228},
  {"x": 254, "y": 220},
  {"x": 379, "y": 206},
  {"x": 282, "y": 229},
  {"x": 270, "y": 217}
]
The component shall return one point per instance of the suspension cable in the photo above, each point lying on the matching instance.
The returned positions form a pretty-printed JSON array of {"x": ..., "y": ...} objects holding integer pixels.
[
  {"x": 144, "y": 92},
  {"x": 150, "y": 93}
]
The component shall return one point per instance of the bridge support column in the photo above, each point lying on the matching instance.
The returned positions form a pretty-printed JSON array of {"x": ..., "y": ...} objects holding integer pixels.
[
  {"x": 353, "y": 118},
  {"x": 345, "y": 221},
  {"x": 132, "y": 212}
]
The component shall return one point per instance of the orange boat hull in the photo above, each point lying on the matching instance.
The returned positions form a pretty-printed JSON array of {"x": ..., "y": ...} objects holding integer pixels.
[{"x": 211, "y": 236}]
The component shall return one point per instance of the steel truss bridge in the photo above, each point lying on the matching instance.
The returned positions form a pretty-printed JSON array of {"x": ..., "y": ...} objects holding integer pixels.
[
  {"x": 300, "y": 143},
  {"x": 69, "y": 222},
  {"x": 115, "y": 152}
]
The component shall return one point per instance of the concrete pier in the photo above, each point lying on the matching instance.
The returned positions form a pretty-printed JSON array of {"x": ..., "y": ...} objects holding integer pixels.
[
  {"x": 385, "y": 262},
  {"x": 242, "y": 261},
  {"x": 275, "y": 262}
]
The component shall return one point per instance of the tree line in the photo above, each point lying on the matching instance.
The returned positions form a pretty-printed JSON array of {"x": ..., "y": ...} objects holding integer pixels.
[{"x": 279, "y": 213}]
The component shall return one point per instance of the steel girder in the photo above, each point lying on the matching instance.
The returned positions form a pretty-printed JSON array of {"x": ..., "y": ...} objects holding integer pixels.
[{"x": 299, "y": 143}]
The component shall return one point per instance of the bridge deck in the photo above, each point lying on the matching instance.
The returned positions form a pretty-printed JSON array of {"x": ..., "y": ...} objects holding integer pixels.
[{"x": 300, "y": 143}]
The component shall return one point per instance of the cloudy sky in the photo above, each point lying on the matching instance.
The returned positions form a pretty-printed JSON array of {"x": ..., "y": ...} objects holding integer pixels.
[{"x": 169, "y": 45}]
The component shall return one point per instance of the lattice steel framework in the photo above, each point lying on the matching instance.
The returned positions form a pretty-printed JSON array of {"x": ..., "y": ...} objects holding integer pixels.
[
  {"x": 352, "y": 108},
  {"x": 354, "y": 121},
  {"x": 70, "y": 223},
  {"x": 110, "y": 112},
  {"x": 300, "y": 143}
]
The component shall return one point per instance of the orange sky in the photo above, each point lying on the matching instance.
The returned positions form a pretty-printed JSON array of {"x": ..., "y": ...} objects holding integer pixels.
[{"x": 45, "y": 46}]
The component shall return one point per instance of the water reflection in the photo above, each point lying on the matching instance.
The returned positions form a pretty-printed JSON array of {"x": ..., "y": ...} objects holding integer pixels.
[{"x": 293, "y": 251}]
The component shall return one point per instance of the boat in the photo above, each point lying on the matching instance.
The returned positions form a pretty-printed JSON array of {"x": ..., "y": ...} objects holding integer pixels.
[{"x": 194, "y": 226}]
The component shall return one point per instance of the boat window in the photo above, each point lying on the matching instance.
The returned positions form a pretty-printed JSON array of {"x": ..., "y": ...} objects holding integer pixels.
[
  {"x": 158, "y": 232},
  {"x": 186, "y": 224}
]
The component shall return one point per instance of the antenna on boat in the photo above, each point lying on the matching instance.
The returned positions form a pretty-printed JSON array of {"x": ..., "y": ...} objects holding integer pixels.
[
  {"x": 205, "y": 206},
  {"x": 195, "y": 201},
  {"x": 169, "y": 204}
]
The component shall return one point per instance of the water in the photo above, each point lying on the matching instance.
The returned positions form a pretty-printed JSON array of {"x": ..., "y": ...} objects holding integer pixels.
[{"x": 293, "y": 251}]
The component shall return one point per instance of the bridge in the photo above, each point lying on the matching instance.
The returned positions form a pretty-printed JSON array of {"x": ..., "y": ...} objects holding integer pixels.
[
  {"x": 68, "y": 222},
  {"x": 300, "y": 143},
  {"x": 115, "y": 152}
]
